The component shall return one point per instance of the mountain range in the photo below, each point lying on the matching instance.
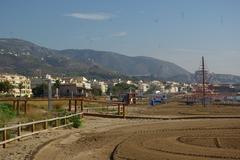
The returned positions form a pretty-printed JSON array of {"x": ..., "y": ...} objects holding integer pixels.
[{"x": 23, "y": 57}]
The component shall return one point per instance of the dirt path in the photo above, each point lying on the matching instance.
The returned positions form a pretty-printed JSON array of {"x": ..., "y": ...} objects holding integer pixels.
[
  {"x": 149, "y": 140},
  {"x": 27, "y": 147},
  {"x": 93, "y": 142},
  {"x": 117, "y": 139}
]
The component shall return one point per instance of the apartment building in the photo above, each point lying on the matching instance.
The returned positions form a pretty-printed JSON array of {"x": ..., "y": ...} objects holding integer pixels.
[{"x": 21, "y": 84}]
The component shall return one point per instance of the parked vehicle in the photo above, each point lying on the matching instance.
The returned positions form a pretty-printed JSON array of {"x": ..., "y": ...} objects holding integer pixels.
[{"x": 158, "y": 99}]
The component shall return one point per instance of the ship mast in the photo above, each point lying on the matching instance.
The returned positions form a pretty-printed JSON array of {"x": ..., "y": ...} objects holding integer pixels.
[{"x": 203, "y": 84}]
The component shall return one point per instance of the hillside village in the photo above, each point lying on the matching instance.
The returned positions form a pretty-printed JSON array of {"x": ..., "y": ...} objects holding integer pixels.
[
  {"x": 81, "y": 86},
  {"x": 22, "y": 86}
]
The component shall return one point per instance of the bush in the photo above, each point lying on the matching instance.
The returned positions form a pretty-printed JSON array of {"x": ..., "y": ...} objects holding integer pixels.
[
  {"x": 6, "y": 112},
  {"x": 61, "y": 112},
  {"x": 76, "y": 121}
]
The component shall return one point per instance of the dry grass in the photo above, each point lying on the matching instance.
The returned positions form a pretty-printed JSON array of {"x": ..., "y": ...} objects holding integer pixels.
[
  {"x": 178, "y": 108},
  {"x": 38, "y": 110}
]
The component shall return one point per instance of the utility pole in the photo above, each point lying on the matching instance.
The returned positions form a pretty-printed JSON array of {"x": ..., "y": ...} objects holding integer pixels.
[
  {"x": 49, "y": 95},
  {"x": 203, "y": 84}
]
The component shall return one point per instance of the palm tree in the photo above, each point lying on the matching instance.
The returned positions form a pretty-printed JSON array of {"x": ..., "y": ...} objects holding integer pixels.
[{"x": 56, "y": 86}]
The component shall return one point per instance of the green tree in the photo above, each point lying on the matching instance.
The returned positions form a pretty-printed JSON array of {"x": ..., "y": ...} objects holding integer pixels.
[
  {"x": 5, "y": 86},
  {"x": 57, "y": 84},
  {"x": 121, "y": 88},
  {"x": 38, "y": 91},
  {"x": 96, "y": 92},
  {"x": 151, "y": 89},
  {"x": 168, "y": 86}
]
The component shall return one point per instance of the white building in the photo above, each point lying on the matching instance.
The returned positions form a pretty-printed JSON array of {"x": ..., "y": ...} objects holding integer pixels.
[
  {"x": 100, "y": 85},
  {"x": 143, "y": 87},
  {"x": 79, "y": 81},
  {"x": 103, "y": 87},
  {"x": 16, "y": 81}
]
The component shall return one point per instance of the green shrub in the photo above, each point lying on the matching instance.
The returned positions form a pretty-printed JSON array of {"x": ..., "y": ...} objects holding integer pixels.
[
  {"x": 76, "y": 121},
  {"x": 61, "y": 112},
  {"x": 6, "y": 112}
]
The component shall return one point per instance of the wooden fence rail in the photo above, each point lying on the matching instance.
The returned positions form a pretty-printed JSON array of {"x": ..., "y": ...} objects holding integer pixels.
[
  {"x": 17, "y": 101},
  {"x": 32, "y": 125}
]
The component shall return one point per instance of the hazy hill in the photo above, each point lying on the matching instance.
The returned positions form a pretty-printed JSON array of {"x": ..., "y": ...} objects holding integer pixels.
[
  {"x": 23, "y": 57},
  {"x": 134, "y": 66},
  {"x": 225, "y": 78}
]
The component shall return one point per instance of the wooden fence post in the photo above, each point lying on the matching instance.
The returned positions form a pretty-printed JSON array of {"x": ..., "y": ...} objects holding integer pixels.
[
  {"x": 107, "y": 107},
  {"x": 25, "y": 107},
  {"x": 19, "y": 130},
  {"x": 75, "y": 105},
  {"x": 14, "y": 105},
  {"x": 4, "y": 137},
  {"x": 33, "y": 127},
  {"x": 65, "y": 120},
  {"x": 57, "y": 123},
  {"x": 46, "y": 124},
  {"x": 18, "y": 108},
  {"x": 69, "y": 105},
  {"x": 118, "y": 109},
  {"x": 124, "y": 111},
  {"x": 81, "y": 115},
  {"x": 81, "y": 105}
]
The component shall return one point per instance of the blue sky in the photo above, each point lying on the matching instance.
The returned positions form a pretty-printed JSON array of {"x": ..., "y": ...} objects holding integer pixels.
[{"x": 180, "y": 31}]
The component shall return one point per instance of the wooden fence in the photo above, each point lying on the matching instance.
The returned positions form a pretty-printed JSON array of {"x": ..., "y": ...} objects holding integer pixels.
[
  {"x": 58, "y": 122},
  {"x": 82, "y": 103},
  {"x": 16, "y": 102}
]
